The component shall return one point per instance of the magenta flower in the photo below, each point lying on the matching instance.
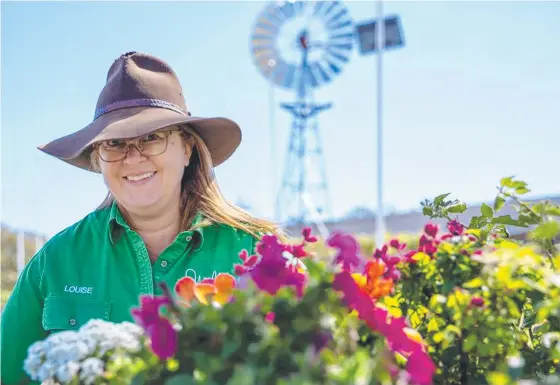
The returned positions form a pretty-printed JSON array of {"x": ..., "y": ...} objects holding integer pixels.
[
  {"x": 160, "y": 331},
  {"x": 272, "y": 271},
  {"x": 477, "y": 301},
  {"x": 455, "y": 227},
  {"x": 348, "y": 256},
  {"x": 420, "y": 368},
  {"x": 427, "y": 246},
  {"x": 431, "y": 230},
  {"x": 396, "y": 244},
  {"x": 390, "y": 261},
  {"x": 306, "y": 232},
  {"x": 270, "y": 316},
  {"x": 148, "y": 312},
  {"x": 419, "y": 365},
  {"x": 163, "y": 338}
]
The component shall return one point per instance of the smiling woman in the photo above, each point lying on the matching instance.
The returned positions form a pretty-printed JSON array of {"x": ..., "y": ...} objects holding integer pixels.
[{"x": 164, "y": 217}]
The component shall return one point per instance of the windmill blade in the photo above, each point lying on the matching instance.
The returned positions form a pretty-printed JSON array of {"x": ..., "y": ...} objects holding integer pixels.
[
  {"x": 289, "y": 76},
  {"x": 341, "y": 57},
  {"x": 309, "y": 77},
  {"x": 320, "y": 72},
  {"x": 332, "y": 6},
  {"x": 348, "y": 36},
  {"x": 319, "y": 6},
  {"x": 337, "y": 16}
]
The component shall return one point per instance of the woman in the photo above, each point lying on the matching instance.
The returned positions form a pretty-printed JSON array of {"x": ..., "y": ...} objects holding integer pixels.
[{"x": 164, "y": 217}]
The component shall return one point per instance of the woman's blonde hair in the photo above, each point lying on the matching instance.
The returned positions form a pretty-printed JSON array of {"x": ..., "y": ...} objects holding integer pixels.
[{"x": 200, "y": 194}]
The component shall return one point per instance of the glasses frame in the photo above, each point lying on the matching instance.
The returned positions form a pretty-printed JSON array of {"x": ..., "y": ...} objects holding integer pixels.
[{"x": 135, "y": 142}]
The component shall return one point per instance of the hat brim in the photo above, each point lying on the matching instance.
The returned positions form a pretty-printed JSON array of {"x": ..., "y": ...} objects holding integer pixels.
[{"x": 222, "y": 136}]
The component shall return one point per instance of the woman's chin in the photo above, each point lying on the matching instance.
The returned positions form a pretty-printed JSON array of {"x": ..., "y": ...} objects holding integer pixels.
[{"x": 141, "y": 203}]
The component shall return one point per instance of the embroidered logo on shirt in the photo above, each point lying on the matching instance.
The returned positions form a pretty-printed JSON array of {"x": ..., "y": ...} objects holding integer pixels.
[
  {"x": 78, "y": 289},
  {"x": 191, "y": 273}
]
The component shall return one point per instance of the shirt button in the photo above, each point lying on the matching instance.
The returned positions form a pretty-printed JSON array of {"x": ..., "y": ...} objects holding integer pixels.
[
  {"x": 72, "y": 322},
  {"x": 188, "y": 238},
  {"x": 163, "y": 263}
]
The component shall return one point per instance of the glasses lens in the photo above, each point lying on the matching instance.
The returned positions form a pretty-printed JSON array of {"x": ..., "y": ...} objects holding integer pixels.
[
  {"x": 116, "y": 149},
  {"x": 112, "y": 150},
  {"x": 154, "y": 143}
]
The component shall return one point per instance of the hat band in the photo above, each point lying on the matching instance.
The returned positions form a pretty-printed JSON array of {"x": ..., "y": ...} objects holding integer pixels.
[{"x": 139, "y": 103}]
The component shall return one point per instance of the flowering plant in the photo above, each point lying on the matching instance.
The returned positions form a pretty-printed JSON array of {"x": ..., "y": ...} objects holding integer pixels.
[{"x": 467, "y": 305}]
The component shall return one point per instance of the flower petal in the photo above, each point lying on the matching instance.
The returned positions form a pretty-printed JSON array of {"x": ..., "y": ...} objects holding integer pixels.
[
  {"x": 185, "y": 288},
  {"x": 202, "y": 291},
  {"x": 224, "y": 282}
]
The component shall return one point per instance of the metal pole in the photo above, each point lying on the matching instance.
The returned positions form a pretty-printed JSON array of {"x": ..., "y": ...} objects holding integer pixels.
[
  {"x": 273, "y": 146},
  {"x": 380, "y": 225}
]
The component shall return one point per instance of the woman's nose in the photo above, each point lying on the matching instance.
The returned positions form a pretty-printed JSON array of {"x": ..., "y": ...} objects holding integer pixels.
[{"x": 134, "y": 155}]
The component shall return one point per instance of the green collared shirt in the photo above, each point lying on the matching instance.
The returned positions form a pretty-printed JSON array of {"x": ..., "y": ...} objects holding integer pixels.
[{"x": 98, "y": 268}]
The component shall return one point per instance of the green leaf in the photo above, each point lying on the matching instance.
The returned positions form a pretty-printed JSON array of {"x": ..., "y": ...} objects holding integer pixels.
[
  {"x": 499, "y": 203},
  {"x": 438, "y": 337},
  {"x": 553, "y": 210},
  {"x": 547, "y": 230},
  {"x": 486, "y": 210},
  {"x": 458, "y": 208},
  {"x": 439, "y": 199},
  {"x": 507, "y": 181},
  {"x": 180, "y": 379},
  {"x": 506, "y": 220},
  {"x": 522, "y": 190},
  {"x": 496, "y": 378},
  {"x": 139, "y": 379},
  {"x": 427, "y": 211},
  {"x": 473, "y": 283},
  {"x": 470, "y": 343}
]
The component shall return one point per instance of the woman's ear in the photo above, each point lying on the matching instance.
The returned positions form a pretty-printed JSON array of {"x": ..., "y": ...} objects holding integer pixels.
[
  {"x": 94, "y": 161},
  {"x": 189, "y": 145}
]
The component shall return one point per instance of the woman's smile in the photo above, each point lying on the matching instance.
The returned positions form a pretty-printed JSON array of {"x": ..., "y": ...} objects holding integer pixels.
[{"x": 140, "y": 179}]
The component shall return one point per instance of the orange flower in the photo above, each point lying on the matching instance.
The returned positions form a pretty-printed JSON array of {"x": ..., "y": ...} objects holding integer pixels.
[
  {"x": 372, "y": 282},
  {"x": 217, "y": 291}
]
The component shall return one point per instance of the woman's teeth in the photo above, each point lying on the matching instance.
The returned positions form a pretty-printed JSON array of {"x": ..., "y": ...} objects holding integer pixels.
[{"x": 136, "y": 178}]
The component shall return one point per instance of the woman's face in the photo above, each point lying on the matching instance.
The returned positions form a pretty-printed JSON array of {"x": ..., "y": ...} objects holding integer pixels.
[{"x": 142, "y": 181}]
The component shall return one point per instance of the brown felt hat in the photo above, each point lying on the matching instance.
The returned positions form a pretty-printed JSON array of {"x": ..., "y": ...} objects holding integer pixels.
[{"x": 142, "y": 94}]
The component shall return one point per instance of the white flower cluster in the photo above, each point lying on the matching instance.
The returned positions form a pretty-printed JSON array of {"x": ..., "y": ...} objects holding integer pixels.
[{"x": 63, "y": 356}]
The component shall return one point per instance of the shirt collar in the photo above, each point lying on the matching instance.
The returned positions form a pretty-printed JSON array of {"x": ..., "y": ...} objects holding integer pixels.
[{"x": 117, "y": 226}]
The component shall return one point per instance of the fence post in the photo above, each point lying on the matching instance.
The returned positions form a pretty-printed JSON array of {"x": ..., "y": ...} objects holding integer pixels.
[{"x": 20, "y": 251}]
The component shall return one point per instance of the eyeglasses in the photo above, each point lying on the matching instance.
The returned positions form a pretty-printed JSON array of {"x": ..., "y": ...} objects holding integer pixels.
[{"x": 152, "y": 144}]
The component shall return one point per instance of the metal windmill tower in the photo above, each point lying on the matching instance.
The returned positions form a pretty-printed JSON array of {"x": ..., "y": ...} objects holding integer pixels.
[{"x": 301, "y": 46}]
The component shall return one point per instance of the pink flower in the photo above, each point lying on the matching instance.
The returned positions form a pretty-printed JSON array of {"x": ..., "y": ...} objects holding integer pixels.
[
  {"x": 269, "y": 317},
  {"x": 420, "y": 368},
  {"x": 390, "y": 260},
  {"x": 348, "y": 256},
  {"x": 419, "y": 365},
  {"x": 396, "y": 244},
  {"x": 271, "y": 272},
  {"x": 148, "y": 312},
  {"x": 160, "y": 331},
  {"x": 431, "y": 230},
  {"x": 427, "y": 246},
  {"x": 163, "y": 338},
  {"x": 477, "y": 301},
  {"x": 306, "y": 232},
  {"x": 455, "y": 227}
]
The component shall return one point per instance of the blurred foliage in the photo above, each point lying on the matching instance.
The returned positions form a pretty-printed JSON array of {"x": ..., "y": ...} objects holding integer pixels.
[{"x": 9, "y": 258}]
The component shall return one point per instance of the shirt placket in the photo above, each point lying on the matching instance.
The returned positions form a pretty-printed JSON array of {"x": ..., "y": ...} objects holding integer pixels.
[
  {"x": 144, "y": 264},
  {"x": 170, "y": 255}
]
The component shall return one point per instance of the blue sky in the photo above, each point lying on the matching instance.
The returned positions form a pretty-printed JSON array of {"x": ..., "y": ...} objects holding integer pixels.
[{"x": 471, "y": 97}]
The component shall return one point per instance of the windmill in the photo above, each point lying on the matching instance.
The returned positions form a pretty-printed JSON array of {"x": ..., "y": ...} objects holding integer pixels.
[{"x": 301, "y": 46}]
